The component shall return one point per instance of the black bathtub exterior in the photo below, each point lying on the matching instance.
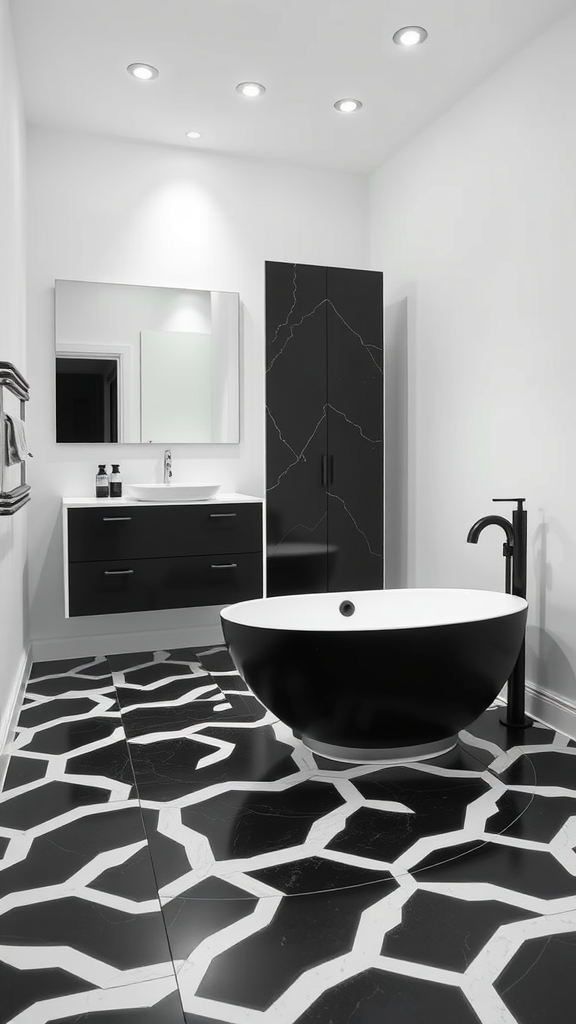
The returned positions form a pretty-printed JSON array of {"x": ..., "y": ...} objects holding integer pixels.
[{"x": 378, "y": 688}]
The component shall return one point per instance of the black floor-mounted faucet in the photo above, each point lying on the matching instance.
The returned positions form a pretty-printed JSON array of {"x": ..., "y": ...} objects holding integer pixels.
[{"x": 515, "y": 553}]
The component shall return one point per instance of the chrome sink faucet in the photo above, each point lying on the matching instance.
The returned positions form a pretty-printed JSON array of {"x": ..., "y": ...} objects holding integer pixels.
[{"x": 167, "y": 466}]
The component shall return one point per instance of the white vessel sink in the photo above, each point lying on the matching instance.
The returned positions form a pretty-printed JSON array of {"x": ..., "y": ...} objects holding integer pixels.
[{"x": 172, "y": 492}]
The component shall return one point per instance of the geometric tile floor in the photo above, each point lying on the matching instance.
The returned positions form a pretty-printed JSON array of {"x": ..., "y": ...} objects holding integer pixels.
[{"x": 170, "y": 853}]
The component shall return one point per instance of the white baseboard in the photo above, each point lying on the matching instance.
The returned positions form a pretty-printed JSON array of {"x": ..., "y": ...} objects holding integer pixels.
[
  {"x": 551, "y": 710},
  {"x": 59, "y": 649},
  {"x": 12, "y": 710}
]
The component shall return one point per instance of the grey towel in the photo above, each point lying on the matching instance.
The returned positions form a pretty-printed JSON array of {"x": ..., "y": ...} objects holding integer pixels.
[{"x": 15, "y": 440}]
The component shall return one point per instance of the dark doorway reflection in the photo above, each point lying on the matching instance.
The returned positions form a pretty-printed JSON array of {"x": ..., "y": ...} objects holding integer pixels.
[{"x": 86, "y": 399}]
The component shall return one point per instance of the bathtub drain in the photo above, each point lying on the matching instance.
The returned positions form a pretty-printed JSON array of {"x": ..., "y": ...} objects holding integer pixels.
[{"x": 347, "y": 608}]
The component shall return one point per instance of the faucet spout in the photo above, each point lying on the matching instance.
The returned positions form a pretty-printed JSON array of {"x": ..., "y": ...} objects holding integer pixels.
[
  {"x": 481, "y": 524},
  {"x": 167, "y": 466}
]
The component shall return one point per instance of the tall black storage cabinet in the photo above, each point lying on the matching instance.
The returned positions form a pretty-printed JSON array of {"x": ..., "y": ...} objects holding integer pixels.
[{"x": 324, "y": 429}]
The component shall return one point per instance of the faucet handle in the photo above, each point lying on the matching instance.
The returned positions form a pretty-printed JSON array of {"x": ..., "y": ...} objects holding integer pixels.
[{"x": 519, "y": 500}]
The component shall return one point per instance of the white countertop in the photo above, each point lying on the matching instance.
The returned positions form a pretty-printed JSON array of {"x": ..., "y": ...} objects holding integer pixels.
[{"x": 92, "y": 502}]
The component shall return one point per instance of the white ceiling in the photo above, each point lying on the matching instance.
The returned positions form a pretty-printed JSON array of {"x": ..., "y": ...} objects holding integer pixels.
[{"x": 308, "y": 53}]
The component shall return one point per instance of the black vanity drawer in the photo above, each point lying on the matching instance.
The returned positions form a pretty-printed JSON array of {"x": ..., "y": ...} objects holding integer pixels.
[
  {"x": 129, "y": 531},
  {"x": 148, "y": 584}
]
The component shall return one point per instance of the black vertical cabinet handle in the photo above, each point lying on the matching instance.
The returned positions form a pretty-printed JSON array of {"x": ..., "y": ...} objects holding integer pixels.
[
  {"x": 323, "y": 470},
  {"x": 330, "y": 470}
]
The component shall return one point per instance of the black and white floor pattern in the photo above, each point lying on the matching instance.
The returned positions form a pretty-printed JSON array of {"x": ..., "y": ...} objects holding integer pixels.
[{"x": 171, "y": 853}]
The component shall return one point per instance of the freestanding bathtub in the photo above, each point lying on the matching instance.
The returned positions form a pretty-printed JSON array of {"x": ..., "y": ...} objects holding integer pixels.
[{"x": 377, "y": 674}]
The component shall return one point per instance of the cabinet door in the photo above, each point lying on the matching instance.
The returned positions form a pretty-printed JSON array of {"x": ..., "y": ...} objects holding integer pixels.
[
  {"x": 163, "y": 531},
  {"x": 148, "y": 584},
  {"x": 355, "y": 429},
  {"x": 296, "y": 429}
]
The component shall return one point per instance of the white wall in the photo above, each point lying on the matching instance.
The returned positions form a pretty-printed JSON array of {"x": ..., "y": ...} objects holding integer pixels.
[
  {"x": 13, "y": 589},
  {"x": 474, "y": 225},
  {"x": 131, "y": 213}
]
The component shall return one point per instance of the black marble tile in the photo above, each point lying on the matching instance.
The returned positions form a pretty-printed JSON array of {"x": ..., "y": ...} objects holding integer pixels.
[
  {"x": 123, "y": 662},
  {"x": 55, "y": 857},
  {"x": 46, "y": 802},
  {"x": 488, "y": 726},
  {"x": 243, "y": 823},
  {"x": 62, "y": 667},
  {"x": 215, "y": 888},
  {"x": 534, "y": 872},
  {"x": 539, "y": 984},
  {"x": 376, "y": 997},
  {"x": 51, "y": 710},
  {"x": 20, "y": 989},
  {"x": 459, "y": 759},
  {"x": 4, "y": 844},
  {"x": 165, "y": 1011},
  {"x": 176, "y": 717},
  {"x": 427, "y": 793},
  {"x": 234, "y": 682},
  {"x": 134, "y": 879},
  {"x": 550, "y": 769},
  {"x": 532, "y": 817},
  {"x": 68, "y": 736},
  {"x": 171, "y": 691},
  {"x": 329, "y": 764},
  {"x": 22, "y": 770},
  {"x": 67, "y": 684},
  {"x": 186, "y": 654},
  {"x": 168, "y": 856},
  {"x": 447, "y": 933},
  {"x": 522, "y": 772},
  {"x": 193, "y": 1018},
  {"x": 169, "y": 768},
  {"x": 304, "y": 932},
  {"x": 216, "y": 659},
  {"x": 245, "y": 707},
  {"x": 438, "y": 805},
  {"x": 147, "y": 675},
  {"x": 316, "y": 874},
  {"x": 111, "y": 761},
  {"x": 99, "y": 670},
  {"x": 118, "y": 825},
  {"x": 190, "y": 921},
  {"x": 124, "y": 940}
]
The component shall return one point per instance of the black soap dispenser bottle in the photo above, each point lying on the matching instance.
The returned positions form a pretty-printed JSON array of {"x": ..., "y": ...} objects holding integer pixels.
[
  {"x": 102, "y": 483},
  {"x": 115, "y": 482}
]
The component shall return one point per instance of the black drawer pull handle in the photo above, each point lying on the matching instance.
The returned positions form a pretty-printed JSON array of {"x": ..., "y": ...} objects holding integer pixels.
[
  {"x": 116, "y": 519},
  {"x": 118, "y": 572},
  {"x": 229, "y": 565},
  {"x": 222, "y": 515}
]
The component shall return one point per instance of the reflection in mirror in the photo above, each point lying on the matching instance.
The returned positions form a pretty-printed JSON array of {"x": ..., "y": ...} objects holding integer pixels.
[
  {"x": 138, "y": 364},
  {"x": 86, "y": 399}
]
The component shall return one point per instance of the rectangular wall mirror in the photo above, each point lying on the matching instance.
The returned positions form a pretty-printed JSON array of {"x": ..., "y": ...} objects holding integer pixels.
[{"x": 141, "y": 365}]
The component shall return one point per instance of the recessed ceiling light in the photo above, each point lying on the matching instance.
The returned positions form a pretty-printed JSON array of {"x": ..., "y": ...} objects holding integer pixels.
[
  {"x": 193, "y": 135},
  {"x": 411, "y": 35},
  {"x": 143, "y": 72},
  {"x": 250, "y": 89},
  {"x": 348, "y": 106}
]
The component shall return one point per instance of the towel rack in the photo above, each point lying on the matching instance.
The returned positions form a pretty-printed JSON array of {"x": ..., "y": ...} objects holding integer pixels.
[{"x": 12, "y": 379}]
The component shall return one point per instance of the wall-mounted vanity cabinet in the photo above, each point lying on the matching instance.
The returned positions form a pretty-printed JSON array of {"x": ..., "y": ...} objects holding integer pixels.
[{"x": 131, "y": 556}]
